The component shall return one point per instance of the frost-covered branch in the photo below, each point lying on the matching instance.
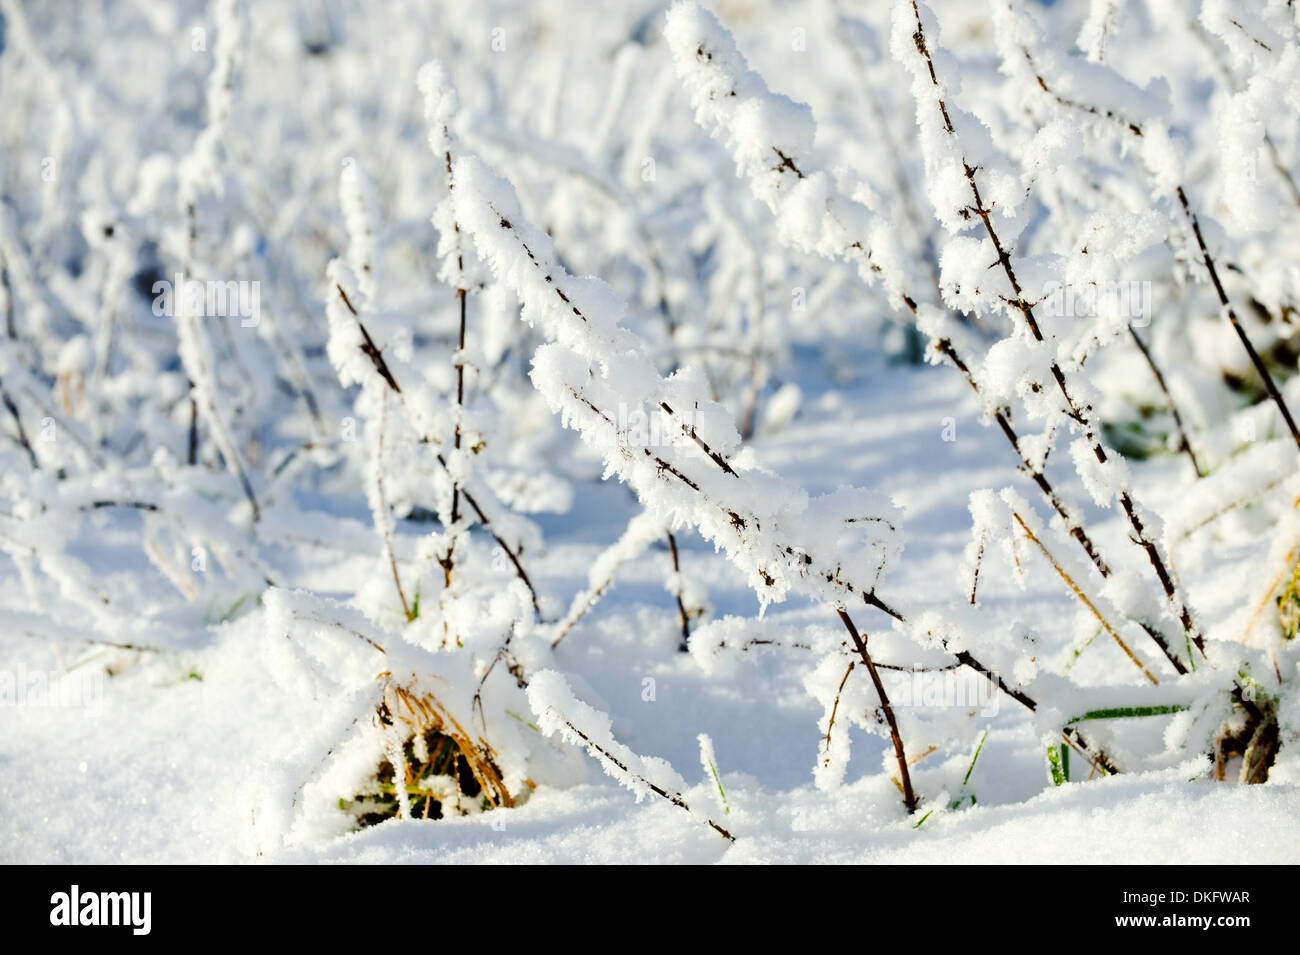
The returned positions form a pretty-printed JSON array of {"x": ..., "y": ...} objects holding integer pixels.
[
  {"x": 640, "y": 533},
  {"x": 557, "y": 710},
  {"x": 351, "y": 340},
  {"x": 595, "y": 374},
  {"x": 1061, "y": 82},
  {"x": 727, "y": 97},
  {"x": 769, "y": 529},
  {"x": 200, "y": 172},
  {"x": 956, "y": 169}
]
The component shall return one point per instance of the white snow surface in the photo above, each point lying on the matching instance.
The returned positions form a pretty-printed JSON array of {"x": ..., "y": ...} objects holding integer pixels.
[
  {"x": 599, "y": 390},
  {"x": 158, "y": 770}
]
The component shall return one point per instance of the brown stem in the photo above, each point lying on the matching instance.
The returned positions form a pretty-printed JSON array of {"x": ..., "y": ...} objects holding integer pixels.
[
  {"x": 7, "y": 291},
  {"x": 909, "y": 797},
  {"x": 515, "y": 557},
  {"x": 1247, "y": 704},
  {"x": 460, "y": 401},
  {"x": 1258, "y": 362},
  {"x": 192, "y": 455},
  {"x": 681, "y": 607},
  {"x": 674, "y": 798},
  {"x": 1083, "y": 598},
  {"x": 835, "y": 706},
  {"x": 1035, "y": 473},
  {"x": 448, "y": 561},
  {"x": 1169, "y": 399},
  {"x": 381, "y": 503},
  {"x": 12, "y": 408}
]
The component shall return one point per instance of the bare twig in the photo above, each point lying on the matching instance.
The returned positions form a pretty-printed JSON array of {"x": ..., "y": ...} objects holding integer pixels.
[
  {"x": 673, "y": 797},
  {"x": 1169, "y": 399},
  {"x": 381, "y": 368},
  {"x": 1231, "y": 313},
  {"x": 381, "y": 504},
  {"x": 835, "y": 706},
  {"x": 909, "y": 797},
  {"x": 1083, "y": 598},
  {"x": 460, "y": 400},
  {"x": 18, "y": 426},
  {"x": 1136, "y": 130},
  {"x": 965, "y": 658},
  {"x": 677, "y": 592}
]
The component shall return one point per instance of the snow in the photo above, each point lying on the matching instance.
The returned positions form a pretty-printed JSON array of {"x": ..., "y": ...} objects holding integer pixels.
[
  {"x": 176, "y": 763},
  {"x": 770, "y": 138},
  {"x": 649, "y": 423}
]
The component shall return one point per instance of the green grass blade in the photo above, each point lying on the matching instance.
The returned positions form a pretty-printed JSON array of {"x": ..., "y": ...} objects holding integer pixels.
[
  {"x": 1126, "y": 712},
  {"x": 722, "y": 794},
  {"x": 971, "y": 768},
  {"x": 1054, "y": 765}
]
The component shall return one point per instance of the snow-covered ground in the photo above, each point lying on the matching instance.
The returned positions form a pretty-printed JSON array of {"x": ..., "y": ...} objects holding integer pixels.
[
  {"x": 163, "y": 767},
  {"x": 647, "y": 466}
]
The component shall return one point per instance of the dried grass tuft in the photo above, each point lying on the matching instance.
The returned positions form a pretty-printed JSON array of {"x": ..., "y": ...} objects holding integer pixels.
[{"x": 444, "y": 770}]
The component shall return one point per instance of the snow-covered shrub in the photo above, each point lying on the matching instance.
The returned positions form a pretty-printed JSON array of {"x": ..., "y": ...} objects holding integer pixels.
[{"x": 404, "y": 354}]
